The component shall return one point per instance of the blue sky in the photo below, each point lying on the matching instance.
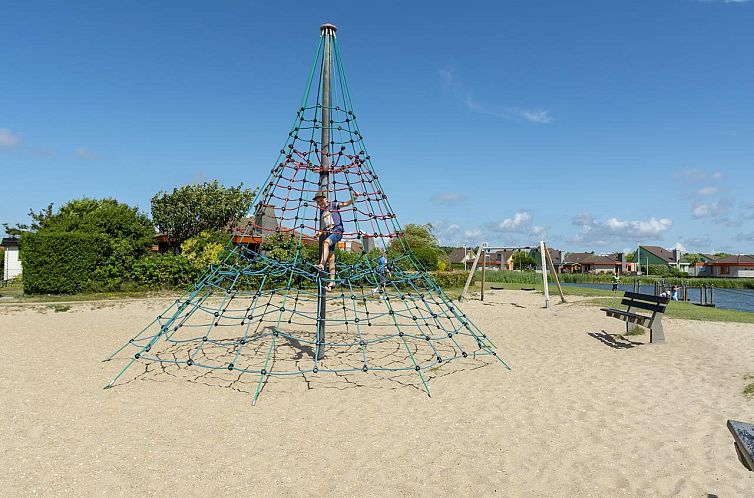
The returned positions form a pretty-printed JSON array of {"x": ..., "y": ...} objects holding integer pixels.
[{"x": 595, "y": 125}]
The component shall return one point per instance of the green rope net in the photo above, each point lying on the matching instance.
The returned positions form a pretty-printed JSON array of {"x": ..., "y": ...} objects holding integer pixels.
[{"x": 267, "y": 310}]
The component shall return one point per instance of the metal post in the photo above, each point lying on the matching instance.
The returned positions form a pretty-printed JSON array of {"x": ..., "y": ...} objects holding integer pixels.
[
  {"x": 484, "y": 269},
  {"x": 544, "y": 272},
  {"x": 328, "y": 32}
]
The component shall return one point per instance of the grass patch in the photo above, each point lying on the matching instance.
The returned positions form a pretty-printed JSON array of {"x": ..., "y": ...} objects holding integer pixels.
[
  {"x": 634, "y": 329},
  {"x": 605, "y": 298},
  {"x": 60, "y": 308},
  {"x": 530, "y": 277}
]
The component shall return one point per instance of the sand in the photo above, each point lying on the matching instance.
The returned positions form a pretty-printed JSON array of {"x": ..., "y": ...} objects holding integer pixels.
[{"x": 580, "y": 414}]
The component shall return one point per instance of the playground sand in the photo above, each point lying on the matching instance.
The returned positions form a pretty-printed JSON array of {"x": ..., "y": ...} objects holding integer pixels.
[{"x": 579, "y": 414}]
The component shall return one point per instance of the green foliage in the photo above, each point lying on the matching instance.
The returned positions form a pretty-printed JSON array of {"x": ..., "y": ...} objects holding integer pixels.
[
  {"x": 62, "y": 262},
  {"x": 204, "y": 249},
  {"x": 191, "y": 209},
  {"x": 165, "y": 271},
  {"x": 420, "y": 240},
  {"x": 631, "y": 257},
  {"x": 660, "y": 270},
  {"x": 451, "y": 279},
  {"x": 749, "y": 389},
  {"x": 104, "y": 216},
  {"x": 284, "y": 247},
  {"x": 693, "y": 258},
  {"x": 523, "y": 261},
  {"x": 122, "y": 235}
]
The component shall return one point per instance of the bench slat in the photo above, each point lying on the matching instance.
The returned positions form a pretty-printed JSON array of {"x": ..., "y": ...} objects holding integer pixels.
[
  {"x": 645, "y": 306},
  {"x": 646, "y": 297},
  {"x": 627, "y": 316}
]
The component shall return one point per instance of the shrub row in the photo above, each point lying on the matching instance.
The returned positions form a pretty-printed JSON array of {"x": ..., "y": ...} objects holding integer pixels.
[
  {"x": 451, "y": 279},
  {"x": 62, "y": 262}
]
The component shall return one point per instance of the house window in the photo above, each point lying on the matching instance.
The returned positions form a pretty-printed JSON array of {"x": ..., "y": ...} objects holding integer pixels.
[{"x": 725, "y": 270}]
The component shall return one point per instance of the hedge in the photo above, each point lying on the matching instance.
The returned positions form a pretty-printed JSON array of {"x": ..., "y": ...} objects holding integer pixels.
[
  {"x": 165, "y": 271},
  {"x": 450, "y": 279},
  {"x": 61, "y": 262}
]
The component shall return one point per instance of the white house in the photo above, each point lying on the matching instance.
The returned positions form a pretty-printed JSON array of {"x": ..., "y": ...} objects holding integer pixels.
[{"x": 12, "y": 266}]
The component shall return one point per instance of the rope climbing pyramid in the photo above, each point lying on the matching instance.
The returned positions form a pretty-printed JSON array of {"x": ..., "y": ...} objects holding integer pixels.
[{"x": 320, "y": 279}]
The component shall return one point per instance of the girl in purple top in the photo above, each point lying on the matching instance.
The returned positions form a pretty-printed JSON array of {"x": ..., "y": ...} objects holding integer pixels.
[{"x": 333, "y": 230}]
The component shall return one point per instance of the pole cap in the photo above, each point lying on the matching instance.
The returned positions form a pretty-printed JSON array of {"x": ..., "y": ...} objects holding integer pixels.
[{"x": 328, "y": 29}]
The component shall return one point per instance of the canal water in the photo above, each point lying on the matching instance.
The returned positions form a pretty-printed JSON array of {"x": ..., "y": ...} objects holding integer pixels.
[{"x": 732, "y": 299}]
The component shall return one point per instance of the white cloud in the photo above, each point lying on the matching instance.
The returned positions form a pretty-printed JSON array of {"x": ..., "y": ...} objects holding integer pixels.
[
  {"x": 448, "y": 198},
  {"x": 534, "y": 115},
  {"x": 8, "y": 139},
  {"x": 538, "y": 116},
  {"x": 693, "y": 175},
  {"x": 452, "y": 82},
  {"x": 716, "y": 209},
  {"x": 593, "y": 231},
  {"x": 679, "y": 247},
  {"x": 707, "y": 191},
  {"x": 84, "y": 153},
  {"x": 520, "y": 220},
  {"x": 449, "y": 78},
  {"x": 514, "y": 231}
]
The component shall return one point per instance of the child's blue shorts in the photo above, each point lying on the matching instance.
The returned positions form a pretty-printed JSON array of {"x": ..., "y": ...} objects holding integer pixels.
[{"x": 334, "y": 238}]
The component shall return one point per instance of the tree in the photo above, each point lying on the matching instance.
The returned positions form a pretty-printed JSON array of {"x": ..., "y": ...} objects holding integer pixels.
[
  {"x": 631, "y": 257},
  {"x": 420, "y": 240},
  {"x": 61, "y": 243},
  {"x": 693, "y": 258},
  {"x": 523, "y": 261},
  {"x": 191, "y": 209}
]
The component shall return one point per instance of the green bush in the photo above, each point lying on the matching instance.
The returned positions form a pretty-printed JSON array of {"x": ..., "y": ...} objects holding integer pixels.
[
  {"x": 165, "y": 271},
  {"x": 62, "y": 262},
  {"x": 451, "y": 279},
  {"x": 205, "y": 249}
]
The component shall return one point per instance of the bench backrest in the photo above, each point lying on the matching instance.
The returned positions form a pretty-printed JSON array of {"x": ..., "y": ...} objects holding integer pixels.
[{"x": 655, "y": 304}]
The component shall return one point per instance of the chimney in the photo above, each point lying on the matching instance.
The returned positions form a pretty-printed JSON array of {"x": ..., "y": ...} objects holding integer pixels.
[{"x": 676, "y": 255}]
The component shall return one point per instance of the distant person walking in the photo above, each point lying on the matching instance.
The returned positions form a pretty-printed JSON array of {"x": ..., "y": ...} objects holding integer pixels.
[
  {"x": 616, "y": 281},
  {"x": 674, "y": 293},
  {"x": 382, "y": 274}
]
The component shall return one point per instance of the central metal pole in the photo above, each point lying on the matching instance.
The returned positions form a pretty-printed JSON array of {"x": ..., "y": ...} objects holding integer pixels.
[{"x": 328, "y": 32}]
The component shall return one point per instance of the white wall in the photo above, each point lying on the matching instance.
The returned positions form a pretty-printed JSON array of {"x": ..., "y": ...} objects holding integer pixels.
[
  {"x": 12, "y": 263},
  {"x": 742, "y": 271}
]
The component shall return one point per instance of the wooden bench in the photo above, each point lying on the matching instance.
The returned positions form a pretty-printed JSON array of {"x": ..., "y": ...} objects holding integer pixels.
[
  {"x": 648, "y": 303},
  {"x": 743, "y": 435}
]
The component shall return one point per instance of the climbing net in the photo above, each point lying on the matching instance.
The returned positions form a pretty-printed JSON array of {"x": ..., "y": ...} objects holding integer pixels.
[{"x": 258, "y": 311}]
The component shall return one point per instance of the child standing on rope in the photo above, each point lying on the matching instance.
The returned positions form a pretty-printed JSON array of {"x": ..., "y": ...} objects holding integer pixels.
[{"x": 332, "y": 225}]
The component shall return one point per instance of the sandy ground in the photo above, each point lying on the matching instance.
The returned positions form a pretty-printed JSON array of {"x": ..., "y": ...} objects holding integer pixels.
[{"x": 580, "y": 414}]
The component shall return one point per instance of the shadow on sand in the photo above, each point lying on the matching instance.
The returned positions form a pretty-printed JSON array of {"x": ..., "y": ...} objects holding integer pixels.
[{"x": 615, "y": 341}]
